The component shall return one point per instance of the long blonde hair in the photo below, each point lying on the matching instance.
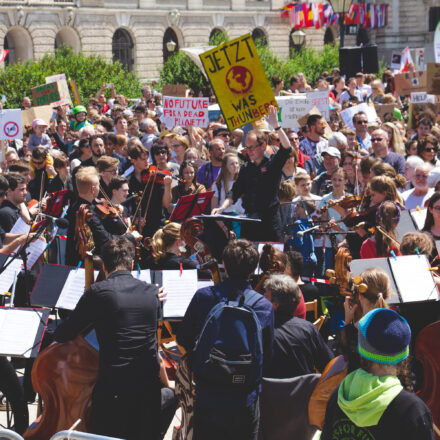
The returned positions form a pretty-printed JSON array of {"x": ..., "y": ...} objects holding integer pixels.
[
  {"x": 396, "y": 142},
  {"x": 163, "y": 239}
]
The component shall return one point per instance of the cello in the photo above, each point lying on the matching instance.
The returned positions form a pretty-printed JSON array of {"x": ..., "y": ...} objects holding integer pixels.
[{"x": 64, "y": 374}]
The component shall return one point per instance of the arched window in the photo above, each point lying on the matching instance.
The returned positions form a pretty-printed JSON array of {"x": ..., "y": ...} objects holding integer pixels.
[
  {"x": 19, "y": 44},
  {"x": 123, "y": 48},
  {"x": 362, "y": 37},
  {"x": 259, "y": 35},
  {"x": 170, "y": 44},
  {"x": 217, "y": 36},
  {"x": 67, "y": 37},
  {"x": 329, "y": 37}
]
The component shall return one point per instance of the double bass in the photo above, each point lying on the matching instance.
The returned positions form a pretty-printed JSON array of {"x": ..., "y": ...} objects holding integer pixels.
[{"x": 64, "y": 374}]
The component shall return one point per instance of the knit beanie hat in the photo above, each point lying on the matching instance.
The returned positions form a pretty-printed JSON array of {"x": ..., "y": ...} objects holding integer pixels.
[{"x": 384, "y": 337}]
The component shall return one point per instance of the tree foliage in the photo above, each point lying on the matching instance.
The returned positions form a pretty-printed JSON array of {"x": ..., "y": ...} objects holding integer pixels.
[
  {"x": 89, "y": 72},
  {"x": 180, "y": 69}
]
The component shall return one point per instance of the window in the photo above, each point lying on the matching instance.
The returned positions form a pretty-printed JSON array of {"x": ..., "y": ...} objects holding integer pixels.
[
  {"x": 259, "y": 35},
  {"x": 434, "y": 18},
  {"x": 170, "y": 44},
  {"x": 123, "y": 48}
]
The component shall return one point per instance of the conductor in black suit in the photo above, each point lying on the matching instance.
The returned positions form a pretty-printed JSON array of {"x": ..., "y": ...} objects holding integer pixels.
[{"x": 126, "y": 400}]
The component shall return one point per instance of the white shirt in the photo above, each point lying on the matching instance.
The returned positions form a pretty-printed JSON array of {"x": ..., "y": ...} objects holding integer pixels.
[{"x": 412, "y": 201}]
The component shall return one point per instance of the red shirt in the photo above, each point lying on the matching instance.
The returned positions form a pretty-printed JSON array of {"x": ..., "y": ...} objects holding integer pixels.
[
  {"x": 300, "y": 311},
  {"x": 368, "y": 250}
]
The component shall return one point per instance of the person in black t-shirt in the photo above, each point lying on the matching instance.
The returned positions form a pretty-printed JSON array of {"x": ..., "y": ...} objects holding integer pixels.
[
  {"x": 298, "y": 348},
  {"x": 258, "y": 183},
  {"x": 371, "y": 403},
  {"x": 166, "y": 244}
]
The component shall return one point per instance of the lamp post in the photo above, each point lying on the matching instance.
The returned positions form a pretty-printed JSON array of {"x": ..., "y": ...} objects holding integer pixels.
[
  {"x": 298, "y": 38},
  {"x": 171, "y": 46},
  {"x": 341, "y": 7}
]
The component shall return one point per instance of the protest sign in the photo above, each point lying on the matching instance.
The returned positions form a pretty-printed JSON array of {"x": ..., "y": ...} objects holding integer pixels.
[
  {"x": 396, "y": 58},
  {"x": 417, "y": 97},
  {"x": 46, "y": 94},
  {"x": 181, "y": 112},
  {"x": 433, "y": 78},
  {"x": 76, "y": 96},
  {"x": 10, "y": 124},
  {"x": 239, "y": 82},
  {"x": 409, "y": 82},
  {"x": 63, "y": 89},
  {"x": 174, "y": 90},
  {"x": 44, "y": 112},
  {"x": 384, "y": 111},
  {"x": 348, "y": 113},
  {"x": 294, "y": 107}
]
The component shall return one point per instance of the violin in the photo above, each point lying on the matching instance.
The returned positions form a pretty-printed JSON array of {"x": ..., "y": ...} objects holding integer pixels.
[
  {"x": 354, "y": 218},
  {"x": 152, "y": 173},
  {"x": 106, "y": 209},
  {"x": 348, "y": 202}
]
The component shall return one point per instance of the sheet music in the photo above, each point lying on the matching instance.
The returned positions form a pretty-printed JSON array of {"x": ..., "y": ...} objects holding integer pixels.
[
  {"x": 204, "y": 283},
  {"x": 18, "y": 330},
  {"x": 419, "y": 217},
  {"x": 7, "y": 277},
  {"x": 73, "y": 289},
  {"x": 180, "y": 287},
  {"x": 34, "y": 251},
  {"x": 144, "y": 275},
  {"x": 20, "y": 227},
  {"x": 413, "y": 279}
]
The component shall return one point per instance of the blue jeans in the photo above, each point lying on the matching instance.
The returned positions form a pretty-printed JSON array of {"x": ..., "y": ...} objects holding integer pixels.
[{"x": 226, "y": 423}]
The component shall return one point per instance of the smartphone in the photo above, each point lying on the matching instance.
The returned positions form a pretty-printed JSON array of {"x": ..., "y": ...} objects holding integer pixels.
[
  {"x": 109, "y": 85},
  {"x": 54, "y": 115}
]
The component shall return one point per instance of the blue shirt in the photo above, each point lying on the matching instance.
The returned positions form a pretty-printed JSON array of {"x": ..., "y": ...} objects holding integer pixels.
[{"x": 201, "y": 304}]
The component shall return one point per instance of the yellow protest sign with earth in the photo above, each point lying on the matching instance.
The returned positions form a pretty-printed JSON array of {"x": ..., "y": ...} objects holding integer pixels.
[{"x": 239, "y": 82}]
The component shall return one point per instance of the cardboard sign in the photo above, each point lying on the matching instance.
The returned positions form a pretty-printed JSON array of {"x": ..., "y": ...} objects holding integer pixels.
[
  {"x": 10, "y": 124},
  {"x": 185, "y": 111},
  {"x": 433, "y": 78},
  {"x": 239, "y": 82},
  {"x": 63, "y": 88},
  {"x": 348, "y": 113},
  {"x": 44, "y": 112},
  {"x": 45, "y": 94},
  {"x": 418, "y": 97},
  {"x": 174, "y": 90},
  {"x": 384, "y": 111},
  {"x": 409, "y": 82}
]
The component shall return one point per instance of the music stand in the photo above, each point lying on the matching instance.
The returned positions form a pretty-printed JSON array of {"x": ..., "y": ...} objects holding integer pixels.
[{"x": 190, "y": 206}]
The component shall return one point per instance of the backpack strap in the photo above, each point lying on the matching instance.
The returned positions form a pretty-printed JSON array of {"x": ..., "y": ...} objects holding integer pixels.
[{"x": 252, "y": 298}]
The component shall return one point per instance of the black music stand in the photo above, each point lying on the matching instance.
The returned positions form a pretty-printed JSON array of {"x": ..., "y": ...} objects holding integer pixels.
[{"x": 190, "y": 206}]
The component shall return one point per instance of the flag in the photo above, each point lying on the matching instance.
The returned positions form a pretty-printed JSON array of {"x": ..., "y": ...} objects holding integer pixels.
[
  {"x": 328, "y": 11},
  {"x": 286, "y": 8},
  {"x": 362, "y": 14},
  {"x": 292, "y": 17},
  {"x": 299, "y": 16},
  {"x": 308, "y": 15},
  {"x": 405, "y": 60},
  {"x": 373, "y": 17},
  {"x": 318, "y": 15},
  {"x": 3, "y": 54}
]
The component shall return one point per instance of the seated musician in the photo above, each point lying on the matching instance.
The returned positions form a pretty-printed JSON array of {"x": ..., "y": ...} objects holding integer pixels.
[
  {"x": 166, "y": 254},
  {"x": 118, "y": 224},
  {"x": 298, "y": 348},
  {"x": 384, "y": 240},
  {"x": 189, "y": 185},
  {"x": 273, "y": 261},
  {"x": 126, "y": 400},
  {"x": 87, "y": 184},
  {"x": 371, "y": 402}
]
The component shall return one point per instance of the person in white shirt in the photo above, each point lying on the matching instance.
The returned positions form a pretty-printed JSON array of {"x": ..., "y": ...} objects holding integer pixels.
[
  {"x": 351, "y": 93},
  {"x": 421, "y": 193}
]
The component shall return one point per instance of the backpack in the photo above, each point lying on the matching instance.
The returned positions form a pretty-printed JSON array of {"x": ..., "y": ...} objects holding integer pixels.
[{"x": 228, "y": 353}]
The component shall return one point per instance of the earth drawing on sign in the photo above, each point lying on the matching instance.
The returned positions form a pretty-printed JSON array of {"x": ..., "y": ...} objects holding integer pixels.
[{"x": 239, "y": 79}]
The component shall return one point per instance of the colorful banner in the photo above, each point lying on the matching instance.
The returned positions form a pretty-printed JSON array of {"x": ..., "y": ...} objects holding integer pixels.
[
  {"x": 182, "y": 112},
  {"x": 10, "y": 124},
  {"x": 239, "y": 82},
  {"x": 63, "y": 88},
  {"x": 306, "y": 15}
]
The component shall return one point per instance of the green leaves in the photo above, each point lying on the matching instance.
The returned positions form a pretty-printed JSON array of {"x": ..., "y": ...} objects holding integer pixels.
[{"x": 89, "y": 72}]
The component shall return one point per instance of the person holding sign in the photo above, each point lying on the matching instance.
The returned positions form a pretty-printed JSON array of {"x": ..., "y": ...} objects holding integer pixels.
[{"x": 257, "y": 184}]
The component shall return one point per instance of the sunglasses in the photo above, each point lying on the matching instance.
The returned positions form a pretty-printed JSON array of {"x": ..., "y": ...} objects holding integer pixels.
[
  {"x": 376, "y": 139},
  {"x": 361, "y": 122},
  {"x": 430, "y": 150},
  {"x": 38, "y": 163},
  {"x": 161, "y": 152},
  {"x": 224, "y": 135}
]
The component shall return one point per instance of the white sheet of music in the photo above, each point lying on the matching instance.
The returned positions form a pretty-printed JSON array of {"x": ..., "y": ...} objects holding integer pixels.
[
  {"x": 18, "y": 329},
  {"x": 204, "y": 283},
  {"x": 34, "y": 250},
  {"x": 413, "y": 278},
  {"x": 143, "y": 275},
  {"x": 180, "y": 288},
  {"x": 73, "y": 289},
  {"x": 20, "y": 227},
  {"x": 419, "y": 217},
  {"x": 7, "y": 277}
]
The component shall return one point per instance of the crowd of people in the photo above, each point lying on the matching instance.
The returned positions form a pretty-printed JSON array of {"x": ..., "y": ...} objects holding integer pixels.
[{"x": 312, "y": 190}]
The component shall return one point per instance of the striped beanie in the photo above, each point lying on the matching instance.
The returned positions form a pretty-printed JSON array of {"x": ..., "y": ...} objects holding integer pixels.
[{"x": 384, "y": 337}]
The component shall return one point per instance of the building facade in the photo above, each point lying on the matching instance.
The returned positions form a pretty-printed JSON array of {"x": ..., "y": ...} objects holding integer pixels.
[{"x": 137, "y": 31}]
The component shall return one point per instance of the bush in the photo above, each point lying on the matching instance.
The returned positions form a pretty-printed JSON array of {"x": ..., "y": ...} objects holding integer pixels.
[
  {"x": 180, "y": 69},
  {"x": 89, "y": 72}
]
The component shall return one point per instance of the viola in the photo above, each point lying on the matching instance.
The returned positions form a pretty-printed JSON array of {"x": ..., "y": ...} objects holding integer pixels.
[
  {"x": 153, "y": 174},
  {"x": 106, "y": 209}
]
